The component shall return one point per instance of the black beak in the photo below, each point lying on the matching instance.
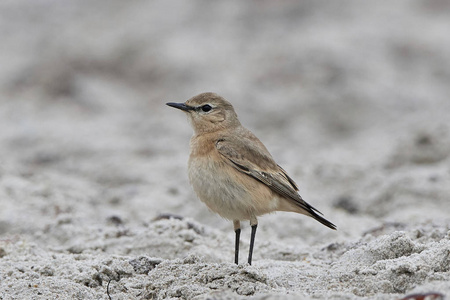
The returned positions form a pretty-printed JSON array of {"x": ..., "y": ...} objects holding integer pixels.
[{"x": 181, "y": 106}]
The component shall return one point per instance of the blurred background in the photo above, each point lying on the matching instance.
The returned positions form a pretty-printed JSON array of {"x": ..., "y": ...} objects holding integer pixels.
[{"x": 350, "y": 97}]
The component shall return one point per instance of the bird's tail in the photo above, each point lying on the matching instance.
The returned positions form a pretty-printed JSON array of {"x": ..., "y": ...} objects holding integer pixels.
[
  {"x": 314, "y": 213},
  {"x": 321, "y": 219},
  {"x": 300, "y": 206}
]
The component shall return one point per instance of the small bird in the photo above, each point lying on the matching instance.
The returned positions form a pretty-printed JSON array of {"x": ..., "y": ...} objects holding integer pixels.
[{"x": 232, "y": 172}]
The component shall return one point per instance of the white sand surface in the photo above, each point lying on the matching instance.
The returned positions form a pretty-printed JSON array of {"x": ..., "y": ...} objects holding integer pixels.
[{"x": 352, "y": 98}]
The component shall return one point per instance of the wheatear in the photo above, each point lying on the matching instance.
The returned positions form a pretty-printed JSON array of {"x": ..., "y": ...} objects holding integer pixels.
[{"x": 232, "y": 172}]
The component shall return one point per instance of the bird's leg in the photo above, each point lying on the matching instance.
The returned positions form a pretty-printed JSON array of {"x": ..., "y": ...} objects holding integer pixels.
[
  {"x": 237, "y": 229},
  {"x": 254, "y": 224}
]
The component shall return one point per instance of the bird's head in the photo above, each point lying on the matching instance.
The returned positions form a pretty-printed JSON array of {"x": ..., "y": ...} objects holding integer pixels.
[{"x": 208, "y": 112}]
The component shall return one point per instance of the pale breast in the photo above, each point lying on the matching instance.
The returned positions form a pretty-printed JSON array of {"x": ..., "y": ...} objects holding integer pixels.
[
  {"x": 228, "y": 192},
  {"x": 224, "y": 189},
  {"x": 216, "y": 189}
]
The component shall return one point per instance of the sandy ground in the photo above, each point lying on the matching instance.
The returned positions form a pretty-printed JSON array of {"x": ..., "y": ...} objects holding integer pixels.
[{"x": 351, "y": 97}]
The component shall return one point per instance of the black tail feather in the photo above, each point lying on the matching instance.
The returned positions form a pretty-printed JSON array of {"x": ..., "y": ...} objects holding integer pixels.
[
  {"x": 314, "y": 213},
  {"x": 323, "y": 221}
]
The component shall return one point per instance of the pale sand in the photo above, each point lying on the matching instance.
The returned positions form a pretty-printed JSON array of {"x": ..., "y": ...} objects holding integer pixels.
[{"x": 90, "y": 156}]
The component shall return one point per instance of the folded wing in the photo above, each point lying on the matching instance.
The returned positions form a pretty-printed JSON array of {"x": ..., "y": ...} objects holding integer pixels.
[{"x": 253, "y": 159}]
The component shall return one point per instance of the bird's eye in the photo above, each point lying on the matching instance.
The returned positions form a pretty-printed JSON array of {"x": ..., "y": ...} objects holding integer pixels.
[{"x": 206, "y": 107}]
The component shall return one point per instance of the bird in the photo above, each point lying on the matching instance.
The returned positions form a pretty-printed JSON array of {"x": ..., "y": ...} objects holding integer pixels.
[{"x": 233, "y": 173}]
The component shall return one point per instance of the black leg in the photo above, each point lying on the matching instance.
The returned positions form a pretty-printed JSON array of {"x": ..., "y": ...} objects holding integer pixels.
[
  {"x": 236, "y": 246},
  {"x": 252, "y": 242}
]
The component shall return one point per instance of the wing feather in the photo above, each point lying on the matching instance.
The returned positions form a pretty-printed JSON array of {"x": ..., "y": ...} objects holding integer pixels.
[{"x": 255, "y": 161}]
